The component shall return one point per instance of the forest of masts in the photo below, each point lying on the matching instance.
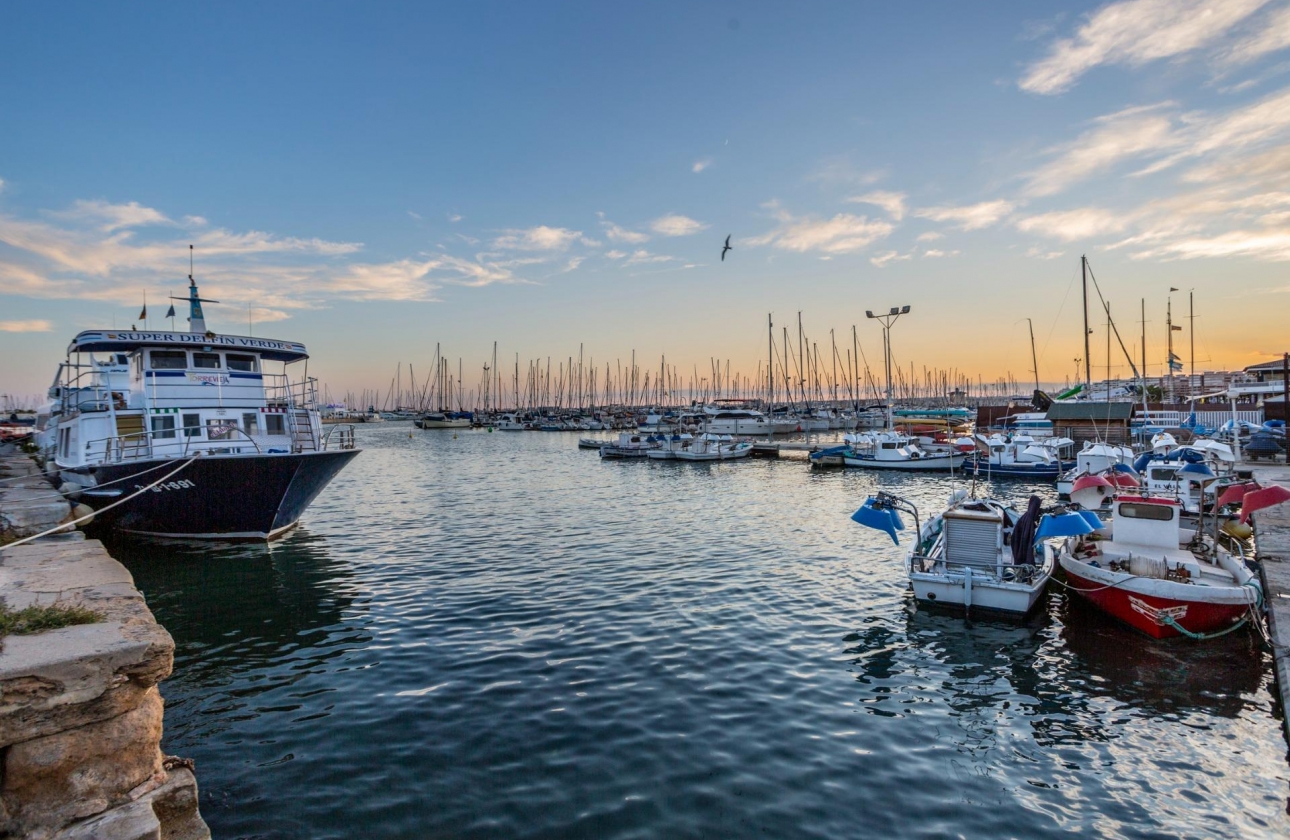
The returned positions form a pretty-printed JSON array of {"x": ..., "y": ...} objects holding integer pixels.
[{"x": 800, "y": 377}]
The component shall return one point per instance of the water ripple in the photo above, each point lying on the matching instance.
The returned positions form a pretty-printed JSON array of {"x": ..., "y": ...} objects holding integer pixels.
[{"x": 496, "y": 635}]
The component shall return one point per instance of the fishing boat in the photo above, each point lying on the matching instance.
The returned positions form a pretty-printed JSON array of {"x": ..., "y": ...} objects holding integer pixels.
[
  {"x": 886, "y": 451},
  {"x": 1094, "y": 458},
  {"x": 977, "y": 554},
  {"x": 711, "y": 447},
  {"x": 204, "y": 435},
  {"x": 629, "y": 445},
  {"x": 1016, "y": 457},
  {"x": 1146, "y": 570},
  {"x": 670, "y": 445}
]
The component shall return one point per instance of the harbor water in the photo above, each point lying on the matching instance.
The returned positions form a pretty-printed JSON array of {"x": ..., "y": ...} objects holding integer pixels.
[{"x": 479, "y": 634}]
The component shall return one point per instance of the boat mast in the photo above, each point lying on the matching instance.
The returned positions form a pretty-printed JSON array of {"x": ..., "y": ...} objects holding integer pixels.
[
  {"x": 1191, "y": 320},
  {"x": 1088, "y": 372},
  {"x": 770, "y": 369},
  {"x": 1143, "y": 377},
  {"x": 1169, "y": 360},
  {"x": 1034, "y": 360}
]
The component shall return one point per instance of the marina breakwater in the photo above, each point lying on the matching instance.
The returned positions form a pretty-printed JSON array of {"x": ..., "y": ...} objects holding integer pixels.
[{"x": 80, "y": 710}]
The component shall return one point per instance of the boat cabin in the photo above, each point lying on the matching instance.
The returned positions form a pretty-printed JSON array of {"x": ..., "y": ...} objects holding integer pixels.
[
  {"x": 1147, "y": 521},
  {"x": 132, "y": 394}
]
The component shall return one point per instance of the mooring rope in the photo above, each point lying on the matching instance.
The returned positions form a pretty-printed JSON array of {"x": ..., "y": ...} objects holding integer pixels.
[
  {"x": 58, "y": 494},
  {"x": 67, "y": 525}
]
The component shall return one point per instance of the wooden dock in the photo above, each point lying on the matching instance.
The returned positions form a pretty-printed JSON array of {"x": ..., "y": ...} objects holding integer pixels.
[{"x": 774, "y": 449}]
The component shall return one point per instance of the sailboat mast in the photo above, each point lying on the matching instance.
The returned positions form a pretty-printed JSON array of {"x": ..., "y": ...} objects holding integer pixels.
[
  {"x": 1088, "y": 371},
  {"x": 1191, "y": 320},
  {"x": 1034, "y": 360},
  {"x": 770, "y": 367}
]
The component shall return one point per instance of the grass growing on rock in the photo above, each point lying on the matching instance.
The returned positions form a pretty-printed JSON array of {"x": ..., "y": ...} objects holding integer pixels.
[{"x": 35, "y": 619}]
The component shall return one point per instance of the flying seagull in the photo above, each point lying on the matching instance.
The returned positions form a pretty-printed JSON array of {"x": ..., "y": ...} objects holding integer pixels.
[{"x": 727, "y": 248}]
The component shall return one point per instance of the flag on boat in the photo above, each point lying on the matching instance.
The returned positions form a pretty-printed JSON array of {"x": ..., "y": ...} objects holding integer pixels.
[
  {"x": 170, "y": 313},
  {"x": 1175, "y": 363},
  {"x": 143, "y": 315}
]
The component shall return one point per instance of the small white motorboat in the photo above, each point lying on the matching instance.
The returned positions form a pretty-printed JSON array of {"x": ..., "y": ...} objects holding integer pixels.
[{"x": 977, "y": 554}]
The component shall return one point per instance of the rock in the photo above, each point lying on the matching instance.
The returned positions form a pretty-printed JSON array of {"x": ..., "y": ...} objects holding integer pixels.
[
  {"x": 169, "y": 812},
  {"x": 135, "y": 821},
  {"x": 81, "y": 772}
]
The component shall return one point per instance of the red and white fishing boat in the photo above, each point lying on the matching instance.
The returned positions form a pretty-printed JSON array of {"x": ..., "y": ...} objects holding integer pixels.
[{"x": 1148, "y": 571}]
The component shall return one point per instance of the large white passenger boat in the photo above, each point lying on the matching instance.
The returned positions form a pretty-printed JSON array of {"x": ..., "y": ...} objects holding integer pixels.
[{"x": 225, "y": 420}]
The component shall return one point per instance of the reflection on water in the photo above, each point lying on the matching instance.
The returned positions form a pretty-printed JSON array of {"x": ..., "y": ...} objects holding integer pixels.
[{"x": 499, "y": 635}]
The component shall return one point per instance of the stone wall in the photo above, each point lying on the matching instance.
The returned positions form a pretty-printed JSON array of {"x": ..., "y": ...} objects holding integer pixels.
[{"x": 80, "y": 711}]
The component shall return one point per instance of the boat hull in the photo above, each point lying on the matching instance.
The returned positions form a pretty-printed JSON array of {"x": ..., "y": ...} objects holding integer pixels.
[
  {"x": 966, "y": 591},
  {"x": 929, "y": 463},
  {"x": 231, "y": 497},
  {"x": 1132, "y": 602},
  {"x": 1039, "y": 472}
]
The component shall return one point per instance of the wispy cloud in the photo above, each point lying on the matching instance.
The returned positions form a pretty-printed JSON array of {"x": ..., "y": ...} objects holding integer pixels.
[
  {"x": 110, "y": 217},
  {"x": 840, "y": 171},
  {"x": 700, "y": 165},
  {"x": 25, "y": 326},
  {"x": 415, "y": 215},
  {"x": 1230, "y": 133},
  {"x": 616, "y": 233},
  {"x": 675, "y": 224},
  {"x": 1271, "y": 35},
  {"x": 643, "y": 257},
  {"x": 970, "y": 216},
  {"x": 881, "y": 260},
  {"x": 892, "y": 202},
  {"x": 1041, "y": 254},
  {"x": 1133, "y": 33},
  {"x": 615, "y": 255},
  {"x": 1072, "y": 225},
  {"x": 929, "y": 236},
  {"x": 842, "y": 234},
  {"x": 540, "y": 238},
  {"x": 455, "y": 217},
  {"x": 100, "y": 251},
  {"x": 1134, "y": 132}
]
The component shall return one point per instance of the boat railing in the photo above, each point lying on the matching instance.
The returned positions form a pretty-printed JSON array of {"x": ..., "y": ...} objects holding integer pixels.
[
  {"x": 344, "y": 433},
  {"x": 279, "y": 390},
  {"x": 118, "y": 448}
]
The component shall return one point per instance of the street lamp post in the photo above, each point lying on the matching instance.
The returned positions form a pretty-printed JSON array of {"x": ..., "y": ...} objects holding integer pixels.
[{"x": 887, "y": 320}]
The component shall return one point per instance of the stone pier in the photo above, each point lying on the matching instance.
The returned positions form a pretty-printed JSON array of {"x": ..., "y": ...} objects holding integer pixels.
[{"x": 80, "y": 710}]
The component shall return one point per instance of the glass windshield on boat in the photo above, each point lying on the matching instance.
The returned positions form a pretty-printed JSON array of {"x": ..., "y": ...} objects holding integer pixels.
[{"x": 1159, "y": 513}]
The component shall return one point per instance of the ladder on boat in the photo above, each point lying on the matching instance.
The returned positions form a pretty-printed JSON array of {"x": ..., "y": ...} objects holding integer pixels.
[{"x": 302, "y": 432}]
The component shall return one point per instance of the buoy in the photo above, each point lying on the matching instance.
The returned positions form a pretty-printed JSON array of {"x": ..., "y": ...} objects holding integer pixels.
[
  {"x": 80, "y": 510},
  {"x": 454, "y": 435}
]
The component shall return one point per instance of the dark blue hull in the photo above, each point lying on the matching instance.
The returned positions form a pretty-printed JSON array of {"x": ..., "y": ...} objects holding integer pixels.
[
  {"x": 1043, "y": 472},
  {"x": 251, "y": 497}
]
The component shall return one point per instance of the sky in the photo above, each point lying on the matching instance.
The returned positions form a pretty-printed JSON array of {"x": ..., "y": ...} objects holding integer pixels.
[{"x": 376, "y": 179}]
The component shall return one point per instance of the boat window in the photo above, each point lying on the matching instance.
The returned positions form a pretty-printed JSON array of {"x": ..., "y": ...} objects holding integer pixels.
[
  {"x": 891, "y": 446},
  {"x": 220, "y": 429},
  {"x": 274, "y": 424},
  {"x": 240, "y": 361},
  {"x": 248, "y": 422},
  {"x": 1164, "y": 474},
  {"x": 206, "y": 360},
  {"x": 168, "y": 359},
  {"x": 192, "y": 425},
  {"x": 163, "y": 426},
  {"x": 1159, "y": 513}
]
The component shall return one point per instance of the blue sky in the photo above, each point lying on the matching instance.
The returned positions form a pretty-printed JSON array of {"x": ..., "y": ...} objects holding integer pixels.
[{"x": 372, "y": 180}]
